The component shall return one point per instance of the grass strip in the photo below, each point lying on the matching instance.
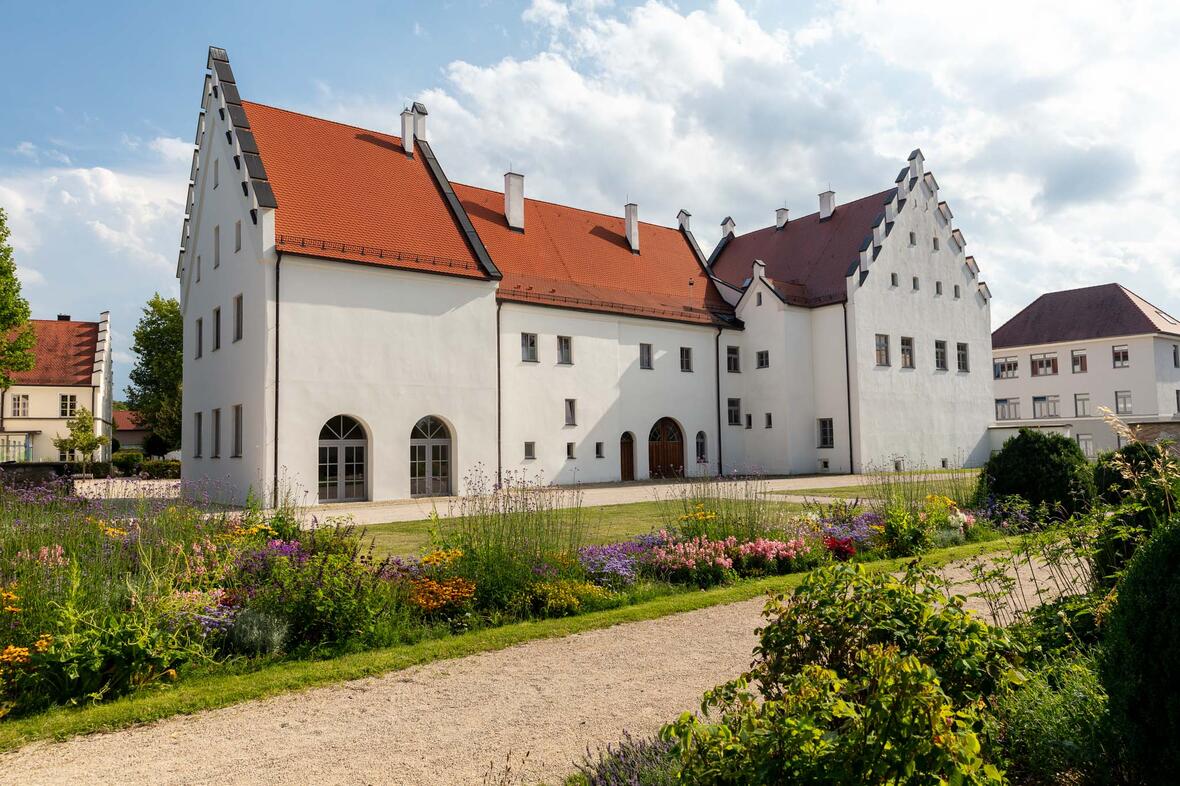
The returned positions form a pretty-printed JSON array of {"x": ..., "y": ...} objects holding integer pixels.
[{"x": 211, "y": 691}]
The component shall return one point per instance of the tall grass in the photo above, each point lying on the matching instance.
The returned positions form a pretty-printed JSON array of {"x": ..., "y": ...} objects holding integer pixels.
[
  {"x": 717, "y": 509},
  {"x": 908, "y": 490}
]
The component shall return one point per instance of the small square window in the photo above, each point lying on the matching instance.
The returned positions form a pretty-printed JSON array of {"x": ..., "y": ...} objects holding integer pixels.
[
  {"x": 769, "y": 421},
  {"x": 686, "y": 359},
  {"x": 645, "y": 356},
  {"x": 528, "y": 347},
  {"x": 530, "y": 451},
  {"x": 569, "y": 450},
  {"x": 762, "y": 358},
  {"x": 565, "y": 351},
  {"x": 599, "y": 450},
  {"x": 68, "y": 405},
  {"x": 571, "y": 412},
  {"x": 1122, "y": 356}
]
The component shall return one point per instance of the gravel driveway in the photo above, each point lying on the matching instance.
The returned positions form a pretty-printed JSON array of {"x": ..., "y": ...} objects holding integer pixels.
[{"x": 442, "y": 723}]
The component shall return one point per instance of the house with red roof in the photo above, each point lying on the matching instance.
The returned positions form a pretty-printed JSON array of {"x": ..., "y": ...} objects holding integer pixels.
[
  {"x": 129, "y": 430},
  {"x": 360, "y": 327},
  {"x": 72, "y": 370},
  {"x": 1069, "y": 355}
]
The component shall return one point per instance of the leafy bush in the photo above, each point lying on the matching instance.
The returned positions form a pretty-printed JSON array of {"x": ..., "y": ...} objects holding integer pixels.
[
  {"x": 1140, "y": 656},
  {"x": 127, "y": 461},
  {"x": 889, "y": 722},
  {"x": 160, "y": 469},
  {"x": 1062, "y": 627},
  {"x": 905, "y": 532},
  {"x": 98, "y": 469},
  {"x": 1143, "y": 481},
  {"x": 1042, "y": 467},
  {"x": 1052, "y": 729}
]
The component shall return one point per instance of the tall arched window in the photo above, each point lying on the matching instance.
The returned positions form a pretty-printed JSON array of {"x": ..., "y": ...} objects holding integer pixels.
[
  {"x": 430, "y": 458},
  {"x": 343, "y": 446},
  {"x": 702, "y": 448}
]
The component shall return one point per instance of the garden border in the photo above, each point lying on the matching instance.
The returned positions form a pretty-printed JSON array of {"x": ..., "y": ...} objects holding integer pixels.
[{"x": 213, "y": 691}]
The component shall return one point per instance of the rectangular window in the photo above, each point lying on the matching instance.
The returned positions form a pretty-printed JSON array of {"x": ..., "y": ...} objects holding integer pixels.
[
  {"x": 571, "y": 412},
  {"x": 237, "y": 236},
  {"x": 882, "y": 349},
  {"x": 702, "y": 448},
  {"x": 1081, "y": 405},
  {"x": 938, "y": 287},
  {"x": 1078, "y": 361},
  {"x": 20, "y": 405},
  {"x": 915, "y": 283},
  {"x": 907, "y": 352},
  {"x": 1176, "y": 355},
  {"x": 1044, "y": 364},
  {"x": 198, "y": 271},
  {"x": 940, "y": 355},
  {"x": 913, "y": 238},
  {"x": 569, "y": 450},
  {"x": 599, "y": 450},
  {"x": 733, "y": 360},
  {"x": 67, "y": 405},
  {"x": 200, "y": 337},
  {"x": 216, "y": 172},
  {"x": 530, "y": 451},
  {"x": 769, "y": 421},
  {"x": 957, "y": 292},
  {"x": 645, "y": 356},
  {"x": 734, "y": 407},
  {"x": 1005, "y": 368},
  {"x": 825, "y": 433},
  {"x": 1086, "y": 443},
  {"x": 935, "y": 244},
  {"x": 1007, "y": 409},
  {"x": 197, "y": 434},
  {"x": 237, "y": 438},
  {"x": 757, "y": 298},
  {"x": 892, "y": 279},
  {"x": 686, "y": 359},
  {"x": 762, "y": 358},
  {"x": 1178, "y": 402},
  {"x": 528, "y": 347},
  {"x": 216, "y": 424},
  {"x": 216, "y": 329},
  {"x": 217, "y": 246},
  {"x": 962, "y": 353},
  {"x": 1122, "y": 402},
  {"x": 239, "y": 316},
  {"x": 1121, "y": 356},
  {"x": 1045, "y": 406},
  {"x": 565, "y": 351},
  {"x": 749, "y": 421}
]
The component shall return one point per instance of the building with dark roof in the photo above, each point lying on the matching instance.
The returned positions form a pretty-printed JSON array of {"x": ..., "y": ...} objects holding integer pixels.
[
  {"x": 359, "y": 326},
  {"x": 1071, "y": 357}
]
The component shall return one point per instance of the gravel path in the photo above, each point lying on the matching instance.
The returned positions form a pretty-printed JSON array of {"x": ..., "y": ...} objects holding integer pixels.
[{"x": 438, "y": 724}]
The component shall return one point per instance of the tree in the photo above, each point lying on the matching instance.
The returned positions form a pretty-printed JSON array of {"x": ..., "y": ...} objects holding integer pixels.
[
  {"x": 81, "y": 438},
  {"x": 154, "y": 392},
  {"x": 16, "y": 332}
]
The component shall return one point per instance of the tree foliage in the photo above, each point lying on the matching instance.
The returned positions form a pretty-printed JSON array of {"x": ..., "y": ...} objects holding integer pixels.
[
  {"x": 81, "y": 438},
  {"x": 1042, "y": 467},
  {"x": 155, "y": 389},
  {"x": 16, "y": 333}
]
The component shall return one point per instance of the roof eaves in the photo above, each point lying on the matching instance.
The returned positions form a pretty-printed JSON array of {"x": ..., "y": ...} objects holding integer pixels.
[
  {"x": 721, "y": 244},
  {"x": 473, "y": 239}
]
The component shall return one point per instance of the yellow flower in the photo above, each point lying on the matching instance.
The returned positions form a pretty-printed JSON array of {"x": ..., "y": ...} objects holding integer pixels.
[
  {"x": 12, "y": 609},
  {"x": 43, "y": 642},
  {"x": 14, "y": 656}
]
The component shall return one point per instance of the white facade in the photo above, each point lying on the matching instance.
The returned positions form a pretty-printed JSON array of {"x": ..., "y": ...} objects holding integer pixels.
[{"x": 1143, "y": 389}]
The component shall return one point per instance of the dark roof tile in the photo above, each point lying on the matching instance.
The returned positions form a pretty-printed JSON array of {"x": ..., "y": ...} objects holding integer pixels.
[{"x": 1103, "y": 311}]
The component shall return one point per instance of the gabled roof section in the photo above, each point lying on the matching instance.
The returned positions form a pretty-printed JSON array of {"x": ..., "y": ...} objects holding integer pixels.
[
  {"x": 64, "y": 353},
  {"x": 352, "y": 194},
  {"x": 1103, "y": 311},
  {"x": 808, "y": 260},
  {"x": 127, "y": 420},
  {"x": 579, "y": 259}
]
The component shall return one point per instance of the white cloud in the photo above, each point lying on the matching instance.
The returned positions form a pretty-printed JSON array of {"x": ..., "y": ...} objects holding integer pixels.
[{"x": 172, "y": 149}]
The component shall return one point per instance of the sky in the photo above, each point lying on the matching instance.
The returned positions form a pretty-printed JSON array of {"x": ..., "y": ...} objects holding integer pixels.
[{"x": 1050, "y": 126}]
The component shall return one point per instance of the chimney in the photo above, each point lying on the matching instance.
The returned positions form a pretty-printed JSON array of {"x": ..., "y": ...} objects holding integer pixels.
[
  {"x": 684, "y": 217},
  {"x": 408, "y": 132},
  {"x": 63, "y": 317},
  {"x": 514, "y": 200},
  {"x": 827, "y": 204},
  {"x": 419, "y": 120},
  {"x": 727, "y": 226},
  {"x": 916, "y": 163},
  {"x": 780, "y": 218},
  {"x": 631, "y": 214}
]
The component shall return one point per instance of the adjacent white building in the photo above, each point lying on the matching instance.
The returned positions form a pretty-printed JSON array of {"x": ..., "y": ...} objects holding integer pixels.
[
  {"x": 72, "y": 370},
  {"x": 359, "y": 327},
  {"x": 1069, "y": 353}
]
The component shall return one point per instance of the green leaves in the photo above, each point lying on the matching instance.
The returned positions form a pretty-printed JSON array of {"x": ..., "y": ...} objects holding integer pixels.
[
  {"x": 16, "y": 333},
  {"x": 155, "y": 389}
]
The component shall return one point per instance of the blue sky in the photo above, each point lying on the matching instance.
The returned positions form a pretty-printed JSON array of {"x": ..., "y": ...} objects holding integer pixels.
[{"x": 1041, "y": 122}]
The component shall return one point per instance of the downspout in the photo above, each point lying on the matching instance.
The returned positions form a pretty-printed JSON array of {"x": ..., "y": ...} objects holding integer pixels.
[
  {"x": 848, "y": 384},
  {"x": 275, "y": 481},
  {"x": 499, "y": 405},
  {"x": 717, "y": 374}
]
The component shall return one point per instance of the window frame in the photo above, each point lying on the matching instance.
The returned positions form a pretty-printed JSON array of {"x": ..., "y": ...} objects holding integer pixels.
[
  {"x": 20, "y": 405},
  {"x": 1043, "y": 360},
  {"x": 1076, "y": 367},
  {"x": 1125, "y": 361},
  {"x": 769, "y": 421},
  {"x": 701, "y": 442},
  {"x": 733, "y": 359},
  {"x": 762, "y": 358},
  {"x": 198, "y": 435},
  {"x": 530, "y": 451},
  {"x": 565, "y": 350},
  {"x": 686, "y": 360},
  {"x": 599, "y": 450},
  {"x": 941, "y": 361},
  {"x": 881, "y": 349},
  {"x": 216, "y": 328},
  {"x": 236, "y": 445},
  {"x": 1007, "y": 408},
  {"x": 646, "y": 357},
  {"x": 749, "y": 421},
  {"x": 67, "y": 405},
  {"x": 1119, "y": 397},
  {"x": 237, "y": 235},
  {"x": 1050, "y": 407},
  {"x": 571, "y": 412},
  {"x": 200, "y": 338},
  {"x": 893, "y": 280},
  {"x": 825, "y": 435},
  {"x": 528, "y": 346},
  {"x": 1079, "y": 398},
  {"x": 917, "y": 284},
  {"x": 907, "y": 351},
  {"x": 1000, "y": 370},
  {"x": 216, "y": 246},
  {"x": 215, "y": 432},
  {"x": 570, "y": 451},
  {"x": 938, "y": 289},
  {"x": 733, "y": 411},
  {"x": 963, "y": 357},
  {"x": 239, "y": 318}
]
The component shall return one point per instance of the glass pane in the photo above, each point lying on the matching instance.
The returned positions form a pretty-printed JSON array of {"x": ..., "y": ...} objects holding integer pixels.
[{"x": 329, "y": 469}]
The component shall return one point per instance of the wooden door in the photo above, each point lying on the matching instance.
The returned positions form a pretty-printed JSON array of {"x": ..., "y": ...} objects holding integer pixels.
[
  {"x": 627, "y": 456},
  {"x": 665, "y": 450}
]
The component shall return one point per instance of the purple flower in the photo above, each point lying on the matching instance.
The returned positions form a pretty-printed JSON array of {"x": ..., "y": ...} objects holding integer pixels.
[
  {"x": 859, "y": 530},
  {"x": 612, "y": 565}
]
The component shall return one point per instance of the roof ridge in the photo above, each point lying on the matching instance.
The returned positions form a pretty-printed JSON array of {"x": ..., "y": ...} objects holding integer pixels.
[
  {"x": 816, "y": 213},
  {"x": 568, "y": 207},
  {"x": 321, "y": 119}
]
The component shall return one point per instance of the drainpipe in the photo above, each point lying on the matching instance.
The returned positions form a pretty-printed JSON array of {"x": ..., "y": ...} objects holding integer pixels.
[
  {"x": 717, "y": 374},
  {"x": 275, "y": 482},
  {"x": 848, "y": 384},
  {"x": 499, "y": 405}
]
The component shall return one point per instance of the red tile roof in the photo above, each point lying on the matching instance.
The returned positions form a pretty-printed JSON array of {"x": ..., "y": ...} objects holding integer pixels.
[
  {"x": 127, "y": 420},
  {"x": 64, "y": 352},
  {"x": 580, "y": 259},
  {"x": 808, "y": 259},
  {"x": 1102, "y": 311},
  {"x": 353, "y": 194}
]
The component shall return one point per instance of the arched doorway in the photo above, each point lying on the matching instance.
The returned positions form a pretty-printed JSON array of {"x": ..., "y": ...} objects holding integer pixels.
[
  {"x": 665, "y": 450},
  {"x": 343, "y": 460},
  {"x": 430, "y": 458},
  {"x": 627, "y": 456}
]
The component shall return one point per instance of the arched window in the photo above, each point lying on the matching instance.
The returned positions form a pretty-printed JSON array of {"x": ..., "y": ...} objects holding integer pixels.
[
  {"x": 702, "y": 448},
  {"x": 343, "y": 447},
  {"x": 430, "y": 458}
]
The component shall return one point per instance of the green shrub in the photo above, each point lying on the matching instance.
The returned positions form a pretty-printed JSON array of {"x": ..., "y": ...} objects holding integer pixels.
[
  {"x": 98, "y": 469},
  {"x": 1042, "y": 467},
  {"x": 888, "y": 723},
  {"x": 256, "y": 633},
  {"x": 906, "y": 532},
  {"x": 1062, "y": 627},
  {"x": 1140, "y": 656},
  {"x": 161, "y": 469},
  {"x": 127, "y": 461},
  {"x": 1144, "y": 482},
  {"x": 1052, "y": 729}
]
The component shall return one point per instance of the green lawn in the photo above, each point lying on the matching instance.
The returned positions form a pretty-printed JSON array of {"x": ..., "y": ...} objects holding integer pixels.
[
  {"x": 949, "y": 482},
  {"x": 213, "y": 689},
  {"x": 604, "y": 523}
]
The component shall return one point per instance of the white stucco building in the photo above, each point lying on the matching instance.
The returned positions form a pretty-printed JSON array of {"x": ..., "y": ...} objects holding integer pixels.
[
  {"x": 72, "y": 370},
  {"x": 1069, "y": 353},
  {"x": 357, "y": 326}
]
